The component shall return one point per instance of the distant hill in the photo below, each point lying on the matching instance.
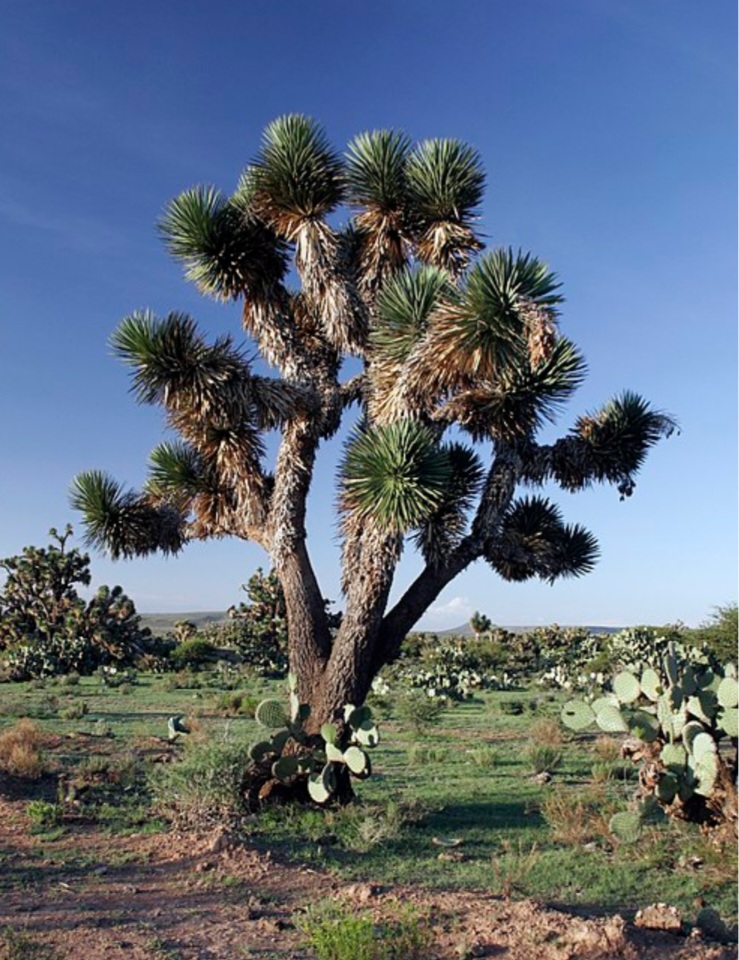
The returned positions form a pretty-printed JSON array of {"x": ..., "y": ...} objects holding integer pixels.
[
  {"x": 466, "y": 630},
  {"x": 161, "y": 624}
]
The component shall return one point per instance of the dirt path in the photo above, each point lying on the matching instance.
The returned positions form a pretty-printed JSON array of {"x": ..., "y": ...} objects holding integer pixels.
[{"x": 175, "y": 896}]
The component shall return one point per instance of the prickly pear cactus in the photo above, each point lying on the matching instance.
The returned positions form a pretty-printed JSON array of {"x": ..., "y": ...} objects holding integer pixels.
[
  {"x": 292, "y": 756},
  {"x": 685, "y": 716}
]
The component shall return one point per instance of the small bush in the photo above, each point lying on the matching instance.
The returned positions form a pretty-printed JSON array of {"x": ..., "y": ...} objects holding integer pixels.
[
  {"x": 577, "y": 816},
  {"x": 205, "y": 785},
  {"x": 73, "y": 711},
  {"x": 335, "y": 932},
  {"x": 419, "y": 710},
  {"x": 421, "y": 755},
  {"x": 20, "y": 750},
  {"x": 512, "y": 708},
  {"x": 512, "y": 868},
  {"x": 192, "y": 653},
  {"x": 232, "y": 704},
  {"x": 44, "y": 815},
  {"x": 548, "y": 732},
  {"x": 363, "y": 826},
  {"x": 486, "y": 757},
  {"x": 543, "y": 758}
]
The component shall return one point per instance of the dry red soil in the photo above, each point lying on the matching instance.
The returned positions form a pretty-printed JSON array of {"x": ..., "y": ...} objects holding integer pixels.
[{"x": 187, "y": 897}]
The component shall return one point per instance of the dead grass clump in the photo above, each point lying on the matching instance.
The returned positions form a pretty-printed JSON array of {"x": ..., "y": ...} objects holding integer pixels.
[
  {"x": 607, "y": 748},
  {"x": 576, "y": 817},
  {"x": 548, "y": 732},
  {"x": 20, "y": 750}
]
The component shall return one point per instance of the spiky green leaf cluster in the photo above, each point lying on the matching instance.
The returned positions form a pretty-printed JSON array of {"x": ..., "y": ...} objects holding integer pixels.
[
  {"x": 375, "y": 170},
  {"x": 446, "y": 180},
  {"x": 535, "y": 541},
  {"x": 442, "y": 530},
  {"x": 396, "y": 476},
  {"x": 297, "y": 174},
  {"x": 121, "y": 523},
  {"x": 404, "y": 307},
  {"x": 225, "y": 249},
  {"x": 481, "y": 332}
]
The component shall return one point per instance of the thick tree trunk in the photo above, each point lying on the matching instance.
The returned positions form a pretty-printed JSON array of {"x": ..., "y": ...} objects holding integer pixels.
[{"x": 309, "y": 637}]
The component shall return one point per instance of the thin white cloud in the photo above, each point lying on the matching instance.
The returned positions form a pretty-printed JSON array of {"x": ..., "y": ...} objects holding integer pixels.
[{"x": 453, "y": 613}]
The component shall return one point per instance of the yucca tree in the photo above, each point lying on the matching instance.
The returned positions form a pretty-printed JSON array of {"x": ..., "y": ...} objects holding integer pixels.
[{"x": 453, "y": 342}]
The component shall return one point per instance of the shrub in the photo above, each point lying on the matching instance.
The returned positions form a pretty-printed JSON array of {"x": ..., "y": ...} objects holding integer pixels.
[
  {"x": 576, "y": 816},
  {"x": 720, "y": 633},
  {"x": 420, "y": 711},
  {"x": 335, "y": 932},
  {"x": 233, "y": 704},
  {"x": 44, "y": 815},
  {"x": 194, "y": 652},
  {"x": 73, "y": 711},
  {"x": 486, "y": 757},
  {"x": 20, "y": 750},
  {"x": 205, "y": 785},
  {"x": 543, "y": 758}
]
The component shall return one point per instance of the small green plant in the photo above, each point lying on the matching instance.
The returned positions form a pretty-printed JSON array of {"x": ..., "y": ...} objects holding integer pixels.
[
  {"x": 421, "y": 754},
  {"x": 512, "y": 867},
  {"x": 420, "y": 711},
  {"x": 577, "y": 816},
  {"x": 485, "y": 757},
  {"x": 234, "y": 704},
  {"x": 543, "y": 758},
  {"x": 74, "y": 711},
  {"x": 513, "y": 708},
  {"x": 335, "y": 932},
  {"x": 15, "y": 945},
  {"x": 204, "y": 786},
  {"x": 43, "y": 815}
]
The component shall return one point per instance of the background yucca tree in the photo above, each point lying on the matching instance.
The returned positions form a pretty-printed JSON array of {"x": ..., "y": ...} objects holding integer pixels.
[{"x": 447, "y": 337}]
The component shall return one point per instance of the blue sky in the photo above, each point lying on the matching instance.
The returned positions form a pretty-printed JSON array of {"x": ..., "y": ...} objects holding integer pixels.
[{"x": 607, "y": 128}]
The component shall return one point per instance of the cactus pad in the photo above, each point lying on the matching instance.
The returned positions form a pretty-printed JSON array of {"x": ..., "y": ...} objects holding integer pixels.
[
  {"x": 329, "y": 733},
  {"x": 578, "y": 715},
  {"x": 642, "y": 725},
  {"x": 356, "y": 716},
  {"x": 317, "y": 789},
  {"x": 626, "y": 687},
  {"x": 667, "y": 788},
  {"x": 271, "y": 714},
  {"x": 625, "y": 826},
  {"x": 728, "y": 692},
  {"x": 285, "y": 768},
  {"x": 674, "y": 757},
  {"x": 650, "y": 684},
  {"x": 610, "y": 720},
  {"x": 333, "y": 753},
  {"x": 356, "y": 759},
  {"x": 728, "y": 720},
  {"x": 367, "y": 734},
  {"x": 279, "y": 740},
  {"x": 702, "y": 745},
  {"x": 258, "y": 751}
]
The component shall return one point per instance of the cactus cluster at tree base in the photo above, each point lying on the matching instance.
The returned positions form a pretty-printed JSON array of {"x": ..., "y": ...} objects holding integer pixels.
[{"x": 291, "y": 754}]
